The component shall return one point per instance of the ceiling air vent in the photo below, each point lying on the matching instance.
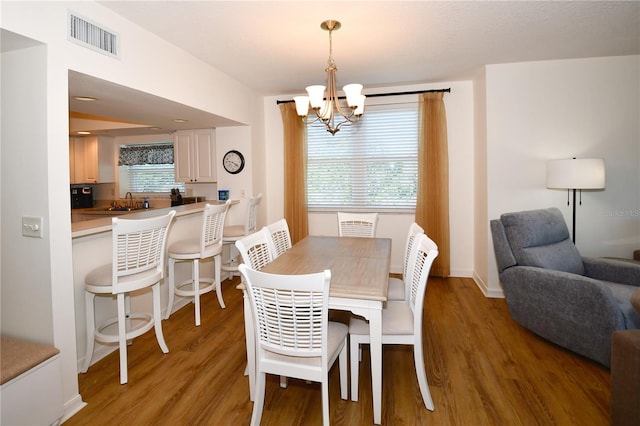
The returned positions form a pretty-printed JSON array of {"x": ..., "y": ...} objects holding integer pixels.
[{"x": 91, "y": 35}]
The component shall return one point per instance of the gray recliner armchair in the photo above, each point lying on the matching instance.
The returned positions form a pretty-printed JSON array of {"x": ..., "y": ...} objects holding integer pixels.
[{"x": 575, "y": 302}]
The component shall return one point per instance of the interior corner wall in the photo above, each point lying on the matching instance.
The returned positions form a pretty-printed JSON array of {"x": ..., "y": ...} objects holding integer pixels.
[
  {"x": 481, "y": 221},
  {"x": 26, "y": 287},
  {"x": 583, "y": 108}
]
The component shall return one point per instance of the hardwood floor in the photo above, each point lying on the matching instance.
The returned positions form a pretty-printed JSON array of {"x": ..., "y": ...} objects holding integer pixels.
[{"x": 482, "y": 367}]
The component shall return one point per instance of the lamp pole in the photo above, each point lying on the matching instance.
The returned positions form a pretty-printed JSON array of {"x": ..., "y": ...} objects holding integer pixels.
[{"x": 573, "y": 233}]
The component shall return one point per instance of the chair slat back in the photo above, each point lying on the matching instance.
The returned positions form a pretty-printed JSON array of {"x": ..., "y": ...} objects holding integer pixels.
[
  {"x": 290, "y": 311},
  {"x": 138, "y": 246},
  {"x": 213, "y": 217},
  {"x": 279, "y": 237},
  {"x": 414, "y": 229},
  {"x": 251, "y": 220},
  {"x": 422, "y": 255},
  {"x": 254, "y": 249},
  {"x": 357, "y": 224}
]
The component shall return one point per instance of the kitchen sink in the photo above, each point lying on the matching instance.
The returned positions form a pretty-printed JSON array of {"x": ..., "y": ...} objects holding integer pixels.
[{"x": 123, "y": 209}]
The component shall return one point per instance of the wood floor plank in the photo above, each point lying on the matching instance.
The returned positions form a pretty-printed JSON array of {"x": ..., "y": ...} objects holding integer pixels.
[{"x": 482, "y": 367}]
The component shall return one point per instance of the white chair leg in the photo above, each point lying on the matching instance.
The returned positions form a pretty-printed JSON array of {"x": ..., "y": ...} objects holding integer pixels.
[
  {"x": 157, "y": 318},
  {"x": 325, "y": 401},
  {"x": 422, "y": 376},
  {"x": 172, "y": 286},
  {"x": 354, "y": 349},
  {"x": 344, "y": 392},
  {"x": 127, "y": 311},
  {"x": 250, "y": 344},
  {"x": 217, "y": 264},
  {"x": 196, "y": 289},
  {"x": 122, "y": 337},
  {"x": 259, "y": 401},
  {"x": 89, "y": 299},
  {"x": 283, "y": 382}
]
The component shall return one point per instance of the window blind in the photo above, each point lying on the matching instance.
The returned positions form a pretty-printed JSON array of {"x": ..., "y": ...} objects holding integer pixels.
[
  {"x": 152, "y": 178},
  {"x": 372, "y": 165}
]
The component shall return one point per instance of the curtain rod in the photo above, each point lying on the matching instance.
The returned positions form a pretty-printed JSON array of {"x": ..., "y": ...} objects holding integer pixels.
[{"x": 378, "y": 95}]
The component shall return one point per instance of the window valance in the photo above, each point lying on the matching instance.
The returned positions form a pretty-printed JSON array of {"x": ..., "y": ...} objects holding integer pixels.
[{"x": 157, "y": 153}]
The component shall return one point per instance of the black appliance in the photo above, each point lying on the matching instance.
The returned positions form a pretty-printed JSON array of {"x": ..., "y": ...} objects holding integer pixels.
[{"x": 81, "y": 197}]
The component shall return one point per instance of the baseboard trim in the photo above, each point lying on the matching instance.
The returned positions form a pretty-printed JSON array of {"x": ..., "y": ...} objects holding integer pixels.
[
  {"x": 72, "y": 406},
  {"x": 497, "y": 294}
]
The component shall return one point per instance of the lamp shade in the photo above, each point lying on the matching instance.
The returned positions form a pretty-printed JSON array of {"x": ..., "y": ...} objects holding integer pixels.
[
  {"x": 302, "y": 105},
  {"x": 581, "y": 173}
]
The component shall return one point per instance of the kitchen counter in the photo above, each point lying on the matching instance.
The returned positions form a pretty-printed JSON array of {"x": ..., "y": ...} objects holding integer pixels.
[{"x": 102, "y": 223}]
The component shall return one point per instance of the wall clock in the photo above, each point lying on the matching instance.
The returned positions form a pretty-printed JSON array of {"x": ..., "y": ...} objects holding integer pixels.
[{"x": 233, "y": 162}]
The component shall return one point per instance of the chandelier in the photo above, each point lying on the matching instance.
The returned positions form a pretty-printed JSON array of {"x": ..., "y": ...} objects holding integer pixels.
[{"x": 329, "y": 109}]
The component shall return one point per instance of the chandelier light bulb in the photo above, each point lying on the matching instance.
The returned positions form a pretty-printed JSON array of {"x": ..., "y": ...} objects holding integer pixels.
[
  {"x": 302, "y": 105},
  {"x": 316, "y": 95},
  {"x": 353, "y": 91},
  {"x": 359, "y": 106}
]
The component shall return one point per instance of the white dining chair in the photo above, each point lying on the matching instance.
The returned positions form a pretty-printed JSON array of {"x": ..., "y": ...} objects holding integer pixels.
[
  {"x": 401, "y": 321},
  {"x": 254, "y": 249},
  {"x": 397, "y": 286},
  {"x": 206, "y": 245},
  {"x": 357, "y": 224},
  {"x": 294, "y": 336},
  {"x": 138, "y": 258},
  {"x": 256, "y": 253},
  {"x": 232, "y": 233},
  {"x": 279, "y": 237}
]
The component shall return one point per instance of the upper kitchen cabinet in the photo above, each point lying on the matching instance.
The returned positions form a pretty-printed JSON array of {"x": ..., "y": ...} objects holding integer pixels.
[
  {"x": 91, "y": 160},
  {"x": 195, "y": 156}
]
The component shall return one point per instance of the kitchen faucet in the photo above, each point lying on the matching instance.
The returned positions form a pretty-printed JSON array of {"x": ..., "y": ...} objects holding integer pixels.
[{"x": 130, "y": 197}]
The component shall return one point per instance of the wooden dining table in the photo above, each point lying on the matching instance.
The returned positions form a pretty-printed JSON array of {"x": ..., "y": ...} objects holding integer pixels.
[{"x": 359, "y": 281}]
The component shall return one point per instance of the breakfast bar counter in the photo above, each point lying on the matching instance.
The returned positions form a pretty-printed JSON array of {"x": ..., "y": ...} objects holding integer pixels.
[{"x": 102, "y": 223}]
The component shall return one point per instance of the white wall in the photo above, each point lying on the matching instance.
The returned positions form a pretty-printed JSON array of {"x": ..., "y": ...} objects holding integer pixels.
[
  {"x": 459, "y": 107},
  {"x": 26, "y": 298},
  {"x": 40, "y": 124},
  {"x": 584, "y": 108}
]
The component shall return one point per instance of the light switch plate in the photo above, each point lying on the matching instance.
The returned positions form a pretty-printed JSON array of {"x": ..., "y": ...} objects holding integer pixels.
[{"x": 32, "y": 226}]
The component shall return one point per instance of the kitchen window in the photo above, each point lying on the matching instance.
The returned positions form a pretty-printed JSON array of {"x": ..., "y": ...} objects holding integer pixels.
[
  {"x": 147, "y": 168},
  {"x": 372, "y": 165}
]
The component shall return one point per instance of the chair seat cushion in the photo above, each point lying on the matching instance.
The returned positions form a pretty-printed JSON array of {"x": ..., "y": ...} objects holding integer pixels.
[
  {"x": 396, "y": 289},
  {"x": 99, "y": 280},
  {"x": 190, "y": 249},
  {"x": 233, "y": 231},
  {"x": 337, "y": 332},
  {"x": 190, "y": 246},
  {"x": 397, "y": 319},
  {"x": 101, "y": 276}
]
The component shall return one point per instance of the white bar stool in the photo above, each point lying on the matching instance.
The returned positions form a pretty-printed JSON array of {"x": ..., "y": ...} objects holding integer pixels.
[
  {"x": 233, "y": 233},
  {"x": 137, "y": 263},
  {"x": 208, "y": 244}
]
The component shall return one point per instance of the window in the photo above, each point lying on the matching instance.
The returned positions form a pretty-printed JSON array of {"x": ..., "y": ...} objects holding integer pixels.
[
  {"x": 372, "y": 165},
  {"x": 147, "y": 168}
]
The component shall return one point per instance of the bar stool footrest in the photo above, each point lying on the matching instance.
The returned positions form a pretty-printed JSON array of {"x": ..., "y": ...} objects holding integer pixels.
[{"x": 146, "y": 325}]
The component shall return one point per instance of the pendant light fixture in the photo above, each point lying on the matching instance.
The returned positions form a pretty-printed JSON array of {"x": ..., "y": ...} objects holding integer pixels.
[{"x": 328, "y": 108}]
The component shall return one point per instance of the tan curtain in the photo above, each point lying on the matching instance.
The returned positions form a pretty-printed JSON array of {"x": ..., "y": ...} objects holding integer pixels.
[
  {"x": 432, "y": 206},
  {"x": 295, "y": 172}
]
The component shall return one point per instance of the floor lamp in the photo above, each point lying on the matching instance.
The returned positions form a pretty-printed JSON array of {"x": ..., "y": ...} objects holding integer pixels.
[{"x": 575, "y": 174}]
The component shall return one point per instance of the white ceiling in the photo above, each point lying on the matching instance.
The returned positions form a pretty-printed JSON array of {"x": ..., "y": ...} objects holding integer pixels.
[{"x": 278, "y": 47}]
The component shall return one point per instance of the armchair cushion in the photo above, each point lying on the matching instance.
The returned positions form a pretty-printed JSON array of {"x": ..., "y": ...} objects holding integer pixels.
[{"x": 540, "y": 238}]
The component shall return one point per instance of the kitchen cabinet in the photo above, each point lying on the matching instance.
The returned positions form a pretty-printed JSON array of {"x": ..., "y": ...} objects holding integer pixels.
[
  {"x": 195, "y": 156},
  {"x": 91, "y": 160}
]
